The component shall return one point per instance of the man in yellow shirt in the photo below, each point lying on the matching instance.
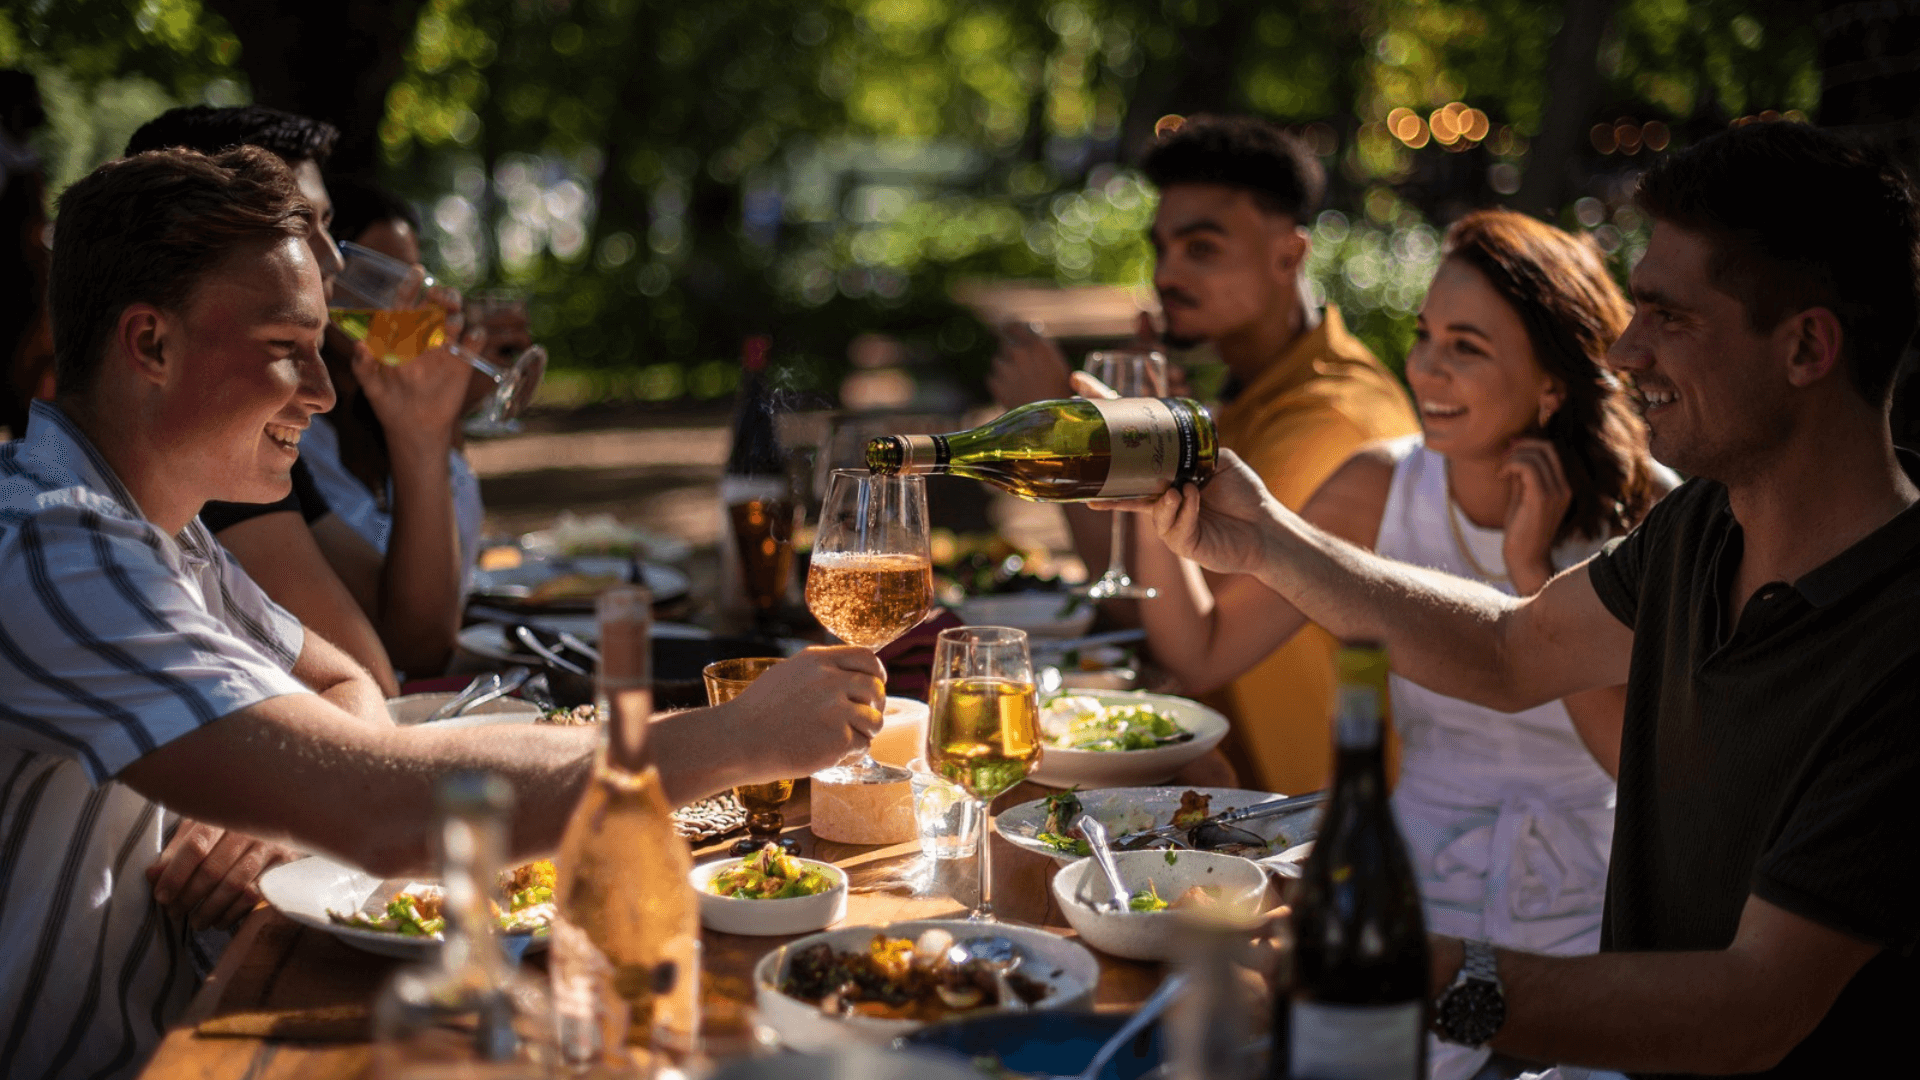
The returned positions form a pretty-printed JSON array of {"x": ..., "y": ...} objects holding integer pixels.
[{"x": 1230, "y": 242}]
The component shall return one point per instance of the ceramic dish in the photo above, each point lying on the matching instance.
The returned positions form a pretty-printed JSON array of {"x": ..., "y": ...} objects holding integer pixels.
[
  {"x": 1080, "y": 890},
  {"x": 494, "y": 641},
  {"x": 1042, "y": 614},
  {"x": 1065, "y": 967},
  {"x": 1043, "y": 1044},
  {"x": 415, "y": 708},
  {"x": 1061, "y": 767},
  {"x": 515, "y": 586},
  {"x": 769, "y": 918},
  {"x": 306, "y": 889},
  {"x": 1125, "y": 811},
  {"x": 573, "y": 536}
]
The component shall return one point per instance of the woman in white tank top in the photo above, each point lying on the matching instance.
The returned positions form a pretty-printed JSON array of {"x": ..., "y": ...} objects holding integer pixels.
[{"x": 1530, "y": 459}]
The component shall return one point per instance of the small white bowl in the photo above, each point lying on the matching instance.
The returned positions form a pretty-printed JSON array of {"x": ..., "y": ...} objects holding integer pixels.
[
  {"x": 1153, "y": 935},
  {"x": 1042, "y": 614},
  {"x": 769, "y": 918},
  {"x": 415, "y": 708}
]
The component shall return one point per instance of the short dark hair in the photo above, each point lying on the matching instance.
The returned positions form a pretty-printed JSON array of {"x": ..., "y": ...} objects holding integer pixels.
[
  {"x": 211, "y": 129},
  {"x": 1246, "y": 152},
  {"x": 1799, "y": 218},
  {"x": 358, "y": 205},
  {"x": 146, "y": 229}
]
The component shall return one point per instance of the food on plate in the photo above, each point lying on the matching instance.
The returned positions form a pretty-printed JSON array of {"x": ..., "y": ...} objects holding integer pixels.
[
  {"x": 418, "y": 910},
  {"x": 1083, "y": 722},
  {"x": 1059, "y": 833},
  {"x": 771, "y": 874},
  {"x": 573, "y": 587},
  {"x": 595, "y": 534},
  {"x": 1198, "y": 897},
  {"x": 578, "y": 716},
  {"x": 900, "y": 979}
]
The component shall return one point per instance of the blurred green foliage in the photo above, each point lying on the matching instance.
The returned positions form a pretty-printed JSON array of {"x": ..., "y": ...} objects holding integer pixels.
[{"x": 668, "y": 178}]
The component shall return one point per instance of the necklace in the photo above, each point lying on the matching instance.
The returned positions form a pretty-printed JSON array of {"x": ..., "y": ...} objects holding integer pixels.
[{"x": 1454, "y": 513}]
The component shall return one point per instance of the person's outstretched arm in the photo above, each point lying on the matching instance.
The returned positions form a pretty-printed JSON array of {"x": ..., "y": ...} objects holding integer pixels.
[{"x": 1453, "y": 636}]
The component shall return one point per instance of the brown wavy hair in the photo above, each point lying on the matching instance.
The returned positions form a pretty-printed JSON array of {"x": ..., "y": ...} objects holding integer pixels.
[{"x": 1573, "y": 312}]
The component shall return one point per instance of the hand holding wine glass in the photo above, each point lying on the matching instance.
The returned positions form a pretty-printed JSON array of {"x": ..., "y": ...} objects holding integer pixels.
[
  {"x": 1128, "y": 373},
  {"x": 871, "y": 577}
]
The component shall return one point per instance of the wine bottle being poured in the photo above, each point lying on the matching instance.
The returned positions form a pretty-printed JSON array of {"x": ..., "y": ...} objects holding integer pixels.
[{"x": 1071, "y": 450}]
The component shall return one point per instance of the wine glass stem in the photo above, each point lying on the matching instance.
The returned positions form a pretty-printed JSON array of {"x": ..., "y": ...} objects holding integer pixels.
[
  {"x": 983, "y": 912},
  {"x": 1117, "y": 550}
]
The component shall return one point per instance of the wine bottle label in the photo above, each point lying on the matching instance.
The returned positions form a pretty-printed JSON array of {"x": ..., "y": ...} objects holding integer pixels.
[
  {"x": 1354, "y": 1042},
  {"x": 922, "y": 453},
  {"x": 1152, "y": 444}
]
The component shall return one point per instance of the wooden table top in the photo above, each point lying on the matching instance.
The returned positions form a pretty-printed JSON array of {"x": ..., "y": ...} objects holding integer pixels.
[{"x": 313, "y": 991}]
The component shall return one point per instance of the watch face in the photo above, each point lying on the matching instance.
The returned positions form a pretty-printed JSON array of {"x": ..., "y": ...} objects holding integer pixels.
[{"x": 1472, "y": 1012}]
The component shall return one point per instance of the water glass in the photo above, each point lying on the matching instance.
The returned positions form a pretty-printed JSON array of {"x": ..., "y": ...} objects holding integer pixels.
[{"x": 947, "y": 819}]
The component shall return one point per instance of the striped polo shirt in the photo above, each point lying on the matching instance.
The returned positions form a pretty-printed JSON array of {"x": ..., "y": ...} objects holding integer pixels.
[{"x": 114, "y": 639}]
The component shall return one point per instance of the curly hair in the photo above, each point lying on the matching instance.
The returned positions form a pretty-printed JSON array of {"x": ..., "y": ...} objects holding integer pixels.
[
  {"x": 211, "y": 129},
  {"x": 147, "y": 229},
  {"x": 1243, "y": 152},
  {"x": 1573, "y": 312}
]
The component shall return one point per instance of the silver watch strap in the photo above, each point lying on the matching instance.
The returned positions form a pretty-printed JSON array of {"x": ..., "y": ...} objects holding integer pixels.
[{"x": 1480, "y": 963}]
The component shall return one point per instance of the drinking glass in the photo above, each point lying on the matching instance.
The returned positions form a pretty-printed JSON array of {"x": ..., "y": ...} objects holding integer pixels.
[
  {"x": 871, "y": 576},
  {"x": 983, "y": 731},
  {"x": 765, "y": 820},
  {"x": 375, "y": 302},
  {"x": 1131, "y": 373}
]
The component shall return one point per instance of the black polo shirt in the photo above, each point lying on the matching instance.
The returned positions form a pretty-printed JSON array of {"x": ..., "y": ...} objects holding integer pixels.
[{"x": 1778, "y": 757}]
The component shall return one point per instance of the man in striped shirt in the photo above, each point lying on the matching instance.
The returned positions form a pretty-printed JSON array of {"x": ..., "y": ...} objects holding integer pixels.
[{"x": 144, "y": 677}]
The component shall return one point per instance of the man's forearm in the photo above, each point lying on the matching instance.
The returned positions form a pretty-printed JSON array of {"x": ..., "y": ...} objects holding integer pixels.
[
  {"x": 1684, "y": 1012},
  {"x": 420, "y": 583},
  {"x": 1443, "y": 632}
]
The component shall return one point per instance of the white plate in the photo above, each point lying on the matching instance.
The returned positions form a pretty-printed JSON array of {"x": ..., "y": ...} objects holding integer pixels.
[
  {"x": 1065, "y": 967},
  {"x": 1125, "y": 811},
  {"x": 493, "y": 641},
  {"x": 599, "y": 534},
  {"x": 514, "y": 584},
  {"x": 1042, "y": 614},
  {"x": 415, "y": 708},
  {"x": 769, "y": 918},
  {"x": 1062, "y": 768},
  {"x": 306, "y": 889}
]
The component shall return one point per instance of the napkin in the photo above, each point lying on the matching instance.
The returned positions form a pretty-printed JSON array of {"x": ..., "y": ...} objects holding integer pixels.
[{"x": 909, "y": 659}]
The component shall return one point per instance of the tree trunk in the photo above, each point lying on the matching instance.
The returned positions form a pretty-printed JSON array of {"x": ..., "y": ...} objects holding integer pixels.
[
  {"x": 1573, "y": 87},
  {"x": 332, "y": 60}
]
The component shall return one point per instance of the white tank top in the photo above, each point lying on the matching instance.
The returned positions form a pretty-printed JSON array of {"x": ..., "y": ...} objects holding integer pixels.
[{"x": 1507, "y": 818}]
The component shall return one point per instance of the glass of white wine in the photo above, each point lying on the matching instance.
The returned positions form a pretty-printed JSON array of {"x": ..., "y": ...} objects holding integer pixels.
[
  {"x": 871, "y": 576},
  {"x": 983, "y": 728},
  {"x": 376, "y": 301},
  {"x": 1130, "y": 373}
]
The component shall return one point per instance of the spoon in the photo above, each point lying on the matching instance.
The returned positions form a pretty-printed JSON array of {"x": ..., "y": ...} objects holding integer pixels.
[
  {"x": 1096, "y": 835},
  {"x": 1149, "y": 1011},
  {"x": 1001, "y": 956}
]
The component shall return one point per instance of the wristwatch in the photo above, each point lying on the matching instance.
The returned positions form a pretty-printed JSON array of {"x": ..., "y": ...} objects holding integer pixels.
[{"x": 1472, "y": 1007}]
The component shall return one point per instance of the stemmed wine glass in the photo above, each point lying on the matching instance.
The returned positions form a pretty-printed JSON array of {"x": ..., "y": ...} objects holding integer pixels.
[
  {"x": 1130, "y": 373},
  {"x": 983, "y": 726},
  {"x": 871, "y": 577},
  {"x": 376, "y": 301}
]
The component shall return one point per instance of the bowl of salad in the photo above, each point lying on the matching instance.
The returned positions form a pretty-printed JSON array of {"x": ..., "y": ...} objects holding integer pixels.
[
  {"x": 1121, "y": 738},
  {"x": 1168, "y": 889},
  {"x": 770, "y": 893}
]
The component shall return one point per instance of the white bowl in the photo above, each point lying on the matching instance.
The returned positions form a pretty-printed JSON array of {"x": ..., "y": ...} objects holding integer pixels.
[
  {"x": 415, "y": 708},
  {"x": 1063, "y": 768},
  {"x": 769, "y": 918},
  {"x": 1042, "y": 614},
  {"x": 1153, "y": 935},
  {"x": 1066, "y": 968}
]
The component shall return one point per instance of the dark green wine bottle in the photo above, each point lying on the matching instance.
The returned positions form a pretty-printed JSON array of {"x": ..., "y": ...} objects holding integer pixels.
[{"x": 1356, "y": 1009}]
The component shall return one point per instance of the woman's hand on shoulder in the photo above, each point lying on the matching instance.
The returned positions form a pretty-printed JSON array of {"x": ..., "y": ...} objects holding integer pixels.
[{"x": 1537, "y": 499}]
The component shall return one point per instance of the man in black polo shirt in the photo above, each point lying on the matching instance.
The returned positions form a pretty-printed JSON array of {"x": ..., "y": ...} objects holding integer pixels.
[{"x": 1764, "y": 897}]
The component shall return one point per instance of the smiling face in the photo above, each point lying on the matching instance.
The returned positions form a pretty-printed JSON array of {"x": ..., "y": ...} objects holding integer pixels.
[
  {"x": 1472, "y": 368},
  {"x": 1714, "y": 401},
  {"x": 1221, "y": 262},
  {"x": 242, "y": 375}
]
